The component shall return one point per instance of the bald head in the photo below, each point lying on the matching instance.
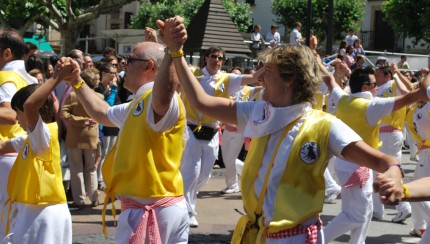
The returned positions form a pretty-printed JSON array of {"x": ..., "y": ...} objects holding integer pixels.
[{"x": 150, "y": 50}]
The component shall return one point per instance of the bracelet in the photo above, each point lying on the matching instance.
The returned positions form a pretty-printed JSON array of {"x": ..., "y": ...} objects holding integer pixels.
[
  {"x": 78, "y": 85},
  {"x": 397, "y": 165},
  {"x": 176, "y": 54},
  {"x": 405, "y": 191}
]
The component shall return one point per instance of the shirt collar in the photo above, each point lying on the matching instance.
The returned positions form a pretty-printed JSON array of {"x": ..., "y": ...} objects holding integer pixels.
[
  {"x": 206, "y": 72},
  {"x": 18, "y": 66},
  {"x": 143, "y": 89},
  {"x": 366, "y": 95}
]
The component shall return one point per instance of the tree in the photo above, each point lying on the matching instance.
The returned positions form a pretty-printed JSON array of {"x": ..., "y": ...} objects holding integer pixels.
[
  {"x": 346, "y": 15},
  {"x": 148, "y": 14},
  {"x": 409, "y": 17},
  {"x": 66, "y": 16}
]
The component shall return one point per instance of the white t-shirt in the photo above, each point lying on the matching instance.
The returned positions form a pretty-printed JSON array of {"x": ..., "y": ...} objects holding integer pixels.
[
  {"x": 273, "y": 38},
  {"x": 350, "y": 39},
  {"x": 252, "y": 115},
  {"x": 39, "y": 139},
  {"x": 255, "y": 36},
  {"x": 295, "y": 37},
  {"x": 117, "y": 114}
]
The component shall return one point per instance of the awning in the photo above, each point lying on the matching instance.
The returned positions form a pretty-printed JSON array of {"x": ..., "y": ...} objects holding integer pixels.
[{"x": 41, "y": 43}]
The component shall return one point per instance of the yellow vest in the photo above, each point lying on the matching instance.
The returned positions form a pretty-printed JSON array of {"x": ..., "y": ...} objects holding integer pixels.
[
  {"x": 302, "y": 188},
  {"x": 396, "y": 118},
  {"x": 352, "y": 111},
  {"x": 10, "y": 131},
  {"x": 221, "y": 90},
  {"x": 145, "y": 163},
  {"x": 34, "y": 180}
]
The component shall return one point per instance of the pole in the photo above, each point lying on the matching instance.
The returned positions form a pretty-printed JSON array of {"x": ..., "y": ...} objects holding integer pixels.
[
  {"x": 309, "y": 24},
  {"x": 329, "y": 43}
]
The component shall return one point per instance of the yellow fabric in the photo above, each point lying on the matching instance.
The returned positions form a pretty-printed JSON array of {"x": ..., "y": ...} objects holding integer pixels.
[
  {"x": 352, "y": 111},
  {"x": 10, "y": 131},
  {"x": 396, "y": 118},
  {"x": 152, "y": 156},
  {"x": 37, "y": 180},
  {"x": 302, "y": 187},
  {"x": 221, "y": 90},
  {"x": 410, "y": 124},
  {"x": 319, "y": 101}
]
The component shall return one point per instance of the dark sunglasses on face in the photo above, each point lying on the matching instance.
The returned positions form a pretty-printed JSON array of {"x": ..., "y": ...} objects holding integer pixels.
[
  {"x": 213, "y": 56},
  {"x": 371, "y": 84},
  {"x": 114, "y": 65},
  {"x": 129, "y": 60}
]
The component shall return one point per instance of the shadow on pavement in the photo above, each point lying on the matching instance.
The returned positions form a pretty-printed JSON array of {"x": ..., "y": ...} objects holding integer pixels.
[{"x": 210, "y": 238}]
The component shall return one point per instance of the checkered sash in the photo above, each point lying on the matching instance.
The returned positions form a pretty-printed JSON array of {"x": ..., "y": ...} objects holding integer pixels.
[
  {"x": 310, "y": 231},
  {"x": 148, "y": 220},
  {"x": 359, "y": 177}
]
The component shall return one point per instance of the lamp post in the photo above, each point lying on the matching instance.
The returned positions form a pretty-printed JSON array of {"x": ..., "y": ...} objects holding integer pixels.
[
  {"x": 309, "y": 24},
  {"x": 329, "y": 43}
]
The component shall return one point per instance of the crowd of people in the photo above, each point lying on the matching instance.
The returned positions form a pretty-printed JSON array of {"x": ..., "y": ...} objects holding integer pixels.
[{"x": 146, "y": 130}]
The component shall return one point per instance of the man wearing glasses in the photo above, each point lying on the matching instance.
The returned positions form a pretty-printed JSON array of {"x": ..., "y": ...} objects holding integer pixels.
[
  {"x": 391, "y": 133},
  {"x": 142, "y": 170},
  {"x": 363, "y": 113},
  {"x": 201, "y": 149},
  {"x": 13, "y": 77}
]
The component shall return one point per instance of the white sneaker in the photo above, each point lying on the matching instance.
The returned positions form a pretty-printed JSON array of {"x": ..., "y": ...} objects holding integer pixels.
[
  {"x": 228, "y": 190},
  {"x": 192, "y": 221},
  {"x": 401, "y": 216},
  {"x": 332, "y": 195}
]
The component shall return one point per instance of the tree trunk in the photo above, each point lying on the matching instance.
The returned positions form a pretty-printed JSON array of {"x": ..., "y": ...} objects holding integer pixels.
[{"x": 69, "y": 34}]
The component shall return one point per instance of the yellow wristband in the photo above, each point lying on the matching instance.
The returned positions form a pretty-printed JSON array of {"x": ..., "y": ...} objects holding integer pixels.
[
  {"x": 176, "y": 54},
  {"x": 405, "y": 191},
  {"x": 78, "y": 85}
]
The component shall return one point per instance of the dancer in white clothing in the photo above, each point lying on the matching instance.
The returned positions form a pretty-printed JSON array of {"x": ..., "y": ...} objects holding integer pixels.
[{"x": 305, "y": 139}]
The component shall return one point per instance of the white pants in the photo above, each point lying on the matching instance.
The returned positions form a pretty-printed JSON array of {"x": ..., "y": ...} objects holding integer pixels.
[
  {"x": 83, "y": 174},
  {"x": 197, "y": 161},
  {"x": 42, "y": 224},
  {"x": 391, "y": 145},
  {"x": 172, "y": 223},
  {"x": 421, "y": 210},
  {"x": 232, "y": 143},
  {"x": 356, "y": 211},
  {"x": 6, "y": 163},
  {"x": 330, "y": 183},
  {"x": 107, "y": 143}
]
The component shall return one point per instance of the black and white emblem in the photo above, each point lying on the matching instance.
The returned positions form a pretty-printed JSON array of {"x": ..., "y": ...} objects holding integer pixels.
[
  {"x": 139, "y": 108},
  {"x": 309, "y": 152},
  {"x": 25, "y": 151},
  {"x": 419, "y": 116},
  {"x": 221, "y": 87},
  {"x": 390, "y": 91}
]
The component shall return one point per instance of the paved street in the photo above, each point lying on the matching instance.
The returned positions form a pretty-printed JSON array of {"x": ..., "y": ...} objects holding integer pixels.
[{"x": 217, "y": 217}]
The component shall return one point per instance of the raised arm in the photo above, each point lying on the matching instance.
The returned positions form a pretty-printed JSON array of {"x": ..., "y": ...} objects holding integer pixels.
[
  {"x": 402, "y": 84},
  {"x": 251, "y": 79},
  {"x": 95, "y": 106},
  {"x": 413, "y": 96},
  {"x": 220, "y": 108},
  {"x": 38, "y": 98}
]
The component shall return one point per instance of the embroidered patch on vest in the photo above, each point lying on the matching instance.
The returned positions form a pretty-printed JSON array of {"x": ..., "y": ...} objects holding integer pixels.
[
  {"x": 390, "y": 90},
  {"x": 221, "y": 87},
  {"x": 139, "y": 108},
  {"x": 309, "y": 152},
  {"x": 265, "y": 116},
  {"x": 25, "y": 151}
]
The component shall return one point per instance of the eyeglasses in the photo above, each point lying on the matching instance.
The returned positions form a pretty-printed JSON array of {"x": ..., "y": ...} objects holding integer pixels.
[
  {"x": 371, "y": 84},
  {"x": 123, "y": 63},
  {"x": 114, "y": 65},
  {"x": 213, "y": 56},
  {"x": 129, "y": 60}
]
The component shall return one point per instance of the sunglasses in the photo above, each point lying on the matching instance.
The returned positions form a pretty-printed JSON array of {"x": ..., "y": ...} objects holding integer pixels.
[
  {"x": 129, "y": 60},
  {"x": 213, "y": 56},
  {"x": 114, "y": 65},
  {"x": 371, "y": 84}
]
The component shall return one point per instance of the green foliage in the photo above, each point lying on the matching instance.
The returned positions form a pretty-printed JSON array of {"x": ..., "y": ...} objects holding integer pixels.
[
  {"x": 149, "y": 13},
  {"x": 346, "y": 15},
  {"x": 410, "y": 17}
]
